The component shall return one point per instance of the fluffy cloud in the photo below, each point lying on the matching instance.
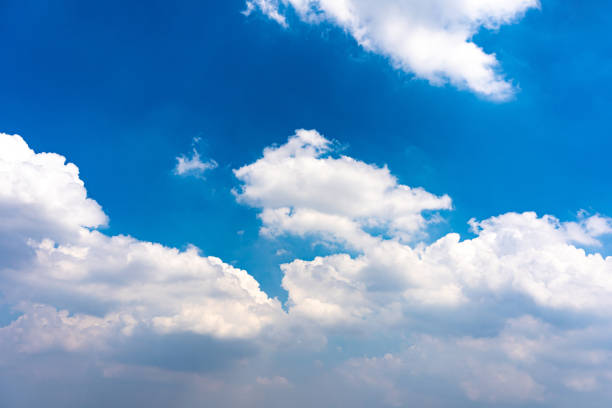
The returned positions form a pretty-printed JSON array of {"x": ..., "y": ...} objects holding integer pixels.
[
  {"x": 57, "y": 261},
  {"x": 514, "y": 258},
  {"x": 161, "y": 287},
  {"x": 40, "y": 192},
  {"x": 303, "y": 189},
  {"x": 431, "y": 39},
  {"x": 42, "y": 328},
  {"x": 493, "y": 317},
  {"x": 518, "y": 314}
]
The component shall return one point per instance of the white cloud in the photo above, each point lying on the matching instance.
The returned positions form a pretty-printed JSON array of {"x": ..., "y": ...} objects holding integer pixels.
[
  {"x": 193, "y": 166},
  {"x": 42, "y": 328},
  {"x": 143, "y": 283},
  {"x": 587, "y": 229},
  {"x": 42, "y": 192},
  {"x": 160, "y": 287},
  {"x": 514, "y": 255},
  {"x": 432, "y": 39},
  {"x": 303, "y": 189},
  {"x": 268, "y": 8},
  {"x": 518, "y": 314}
]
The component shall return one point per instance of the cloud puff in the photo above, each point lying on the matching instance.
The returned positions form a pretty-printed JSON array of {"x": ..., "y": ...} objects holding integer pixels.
[
  {"x": 432, "y": 39},
  {"x": 42, "y": 191},
  {"x": 302, "y": 189},
  {"x": 193, "y": 166}
]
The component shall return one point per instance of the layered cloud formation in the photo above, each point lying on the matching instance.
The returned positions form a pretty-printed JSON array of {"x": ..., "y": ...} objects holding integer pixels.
[
  {"x": 431, "y": 39},
  {"x": 516, "y": 314}
]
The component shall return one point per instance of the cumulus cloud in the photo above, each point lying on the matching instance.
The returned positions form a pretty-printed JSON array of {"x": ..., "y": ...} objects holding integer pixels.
[
  {"x": 513, "y": 258},
  {"x": 42, "y": 192},
  {"x": 164, "y": 288},
  {"x": 431, "y": 39},
  {"x": 518, "y": 314},
  {"x": 106, "y": 279},
  {"x": 42, "y": 328},
  {"x": 490, "y": 306},
  {"x": 303, "y": 189}
]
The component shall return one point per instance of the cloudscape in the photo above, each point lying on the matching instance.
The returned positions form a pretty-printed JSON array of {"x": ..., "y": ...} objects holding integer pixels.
[{"x": 305, "y": 203}]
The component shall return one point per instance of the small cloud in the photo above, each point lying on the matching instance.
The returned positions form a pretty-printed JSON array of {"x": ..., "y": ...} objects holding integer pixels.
[
  {"x": 282, "y": 252},
  {"x": 193, "y": 165},
  {"x": 268, "y": 8},
  {"x": 588, "y": 228},
  {"x": 249, "y": 8}
]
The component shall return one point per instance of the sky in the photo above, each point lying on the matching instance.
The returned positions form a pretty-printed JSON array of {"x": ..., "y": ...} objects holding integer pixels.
[{"x": 305, "y": 202}]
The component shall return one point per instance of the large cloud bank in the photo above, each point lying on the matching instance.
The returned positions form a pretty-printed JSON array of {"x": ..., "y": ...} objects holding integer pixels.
[
  {"x": 518, "y": 314},
  {"x": 61, "y": 260},
  {"x": 432, "y": 39}
]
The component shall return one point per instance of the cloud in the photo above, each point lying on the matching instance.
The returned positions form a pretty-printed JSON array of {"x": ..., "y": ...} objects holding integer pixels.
[
  {"x": 59, "y": 266},
  {"x": 46, "y": 193},
  {"x": 193, "y": 166},
  {"x": 302, "y": 189},
  {"x": 588, "y": 228},
  {"x": 42, "y": 327},
  {"x": 517, "y": 314},
  {"x": 494, "y": 316},
  {"x": 459, "y": 369},
  {"x": 514, "y": 258},
  {"x": 432, "y": 39},
  {"x": 268, "y": 8},
  {"x": 527, "y": 362},
  {"x": 161, "y": 287}
]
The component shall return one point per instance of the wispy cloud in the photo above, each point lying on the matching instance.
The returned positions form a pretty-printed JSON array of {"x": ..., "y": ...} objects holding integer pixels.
[{"x": 193, "y": 165}]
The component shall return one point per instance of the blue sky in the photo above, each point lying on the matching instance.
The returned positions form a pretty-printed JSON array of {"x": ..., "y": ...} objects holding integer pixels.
[{"x": 122, "y": 89}]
